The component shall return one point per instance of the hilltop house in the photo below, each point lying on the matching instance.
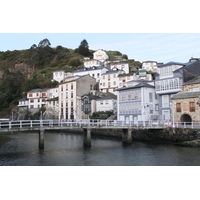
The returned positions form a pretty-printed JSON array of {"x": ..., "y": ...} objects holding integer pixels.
[{"x": 100, "y": 55}]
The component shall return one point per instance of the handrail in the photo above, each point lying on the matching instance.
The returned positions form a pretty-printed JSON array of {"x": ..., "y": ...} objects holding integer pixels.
[{"x": 93, "y": 123}]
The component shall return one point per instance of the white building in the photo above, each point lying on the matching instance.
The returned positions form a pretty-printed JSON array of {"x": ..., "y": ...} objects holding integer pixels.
[
  {"x": 124, "y": 79},
  {"x": 59, "y": 75},
  {"x": 107, "y": 103},
  {"x": 150, "y": 66},
  {"x": 120, "y": 66},
  {"x": 137, "y": 103},
  {"x": 100, "y": 55},
  {"x": 70, "y": 93},
  {"x": 23, "y": 102},
  {"x": 36, "y": 99},
  {"x": 94, "y": 72},
  {"x": 92, "y": 62},
  {"x": 109, "y": 81}
]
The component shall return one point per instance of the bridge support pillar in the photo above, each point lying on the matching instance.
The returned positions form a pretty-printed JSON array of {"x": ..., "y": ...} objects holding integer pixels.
[
  {"x": 87, "y": 137},
  {"x": 127, "y": 136},
  {"x": 41, "y": 139}
]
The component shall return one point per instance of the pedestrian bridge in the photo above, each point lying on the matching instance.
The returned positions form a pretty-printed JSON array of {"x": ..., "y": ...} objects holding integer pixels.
[{"x": 86, "y": 126}]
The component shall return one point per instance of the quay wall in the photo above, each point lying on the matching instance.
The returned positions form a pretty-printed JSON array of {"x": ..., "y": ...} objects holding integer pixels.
[{"x": 168, "y": 134}]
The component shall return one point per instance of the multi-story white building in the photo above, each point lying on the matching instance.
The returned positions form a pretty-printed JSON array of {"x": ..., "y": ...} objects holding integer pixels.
[
  {"x": 170, "y": 81},
  {"x": 124, "y": 79},
  {"x": 36, "y": 99},
  {"x": 137, "y": 103},
  {"x": 92, "y": 63},
  {"x": 120, "y": 66},
  {"x": 150, "y": 66},
  {"x": 109, "y": 81},
  {"x": 100, "y": 55},
  {"x": 70, "y": 93},
  {"x": 94, "y": 72}
]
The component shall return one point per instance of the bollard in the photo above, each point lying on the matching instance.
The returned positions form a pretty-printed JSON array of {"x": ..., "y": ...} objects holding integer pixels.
[{"x": 41, "y": 139}]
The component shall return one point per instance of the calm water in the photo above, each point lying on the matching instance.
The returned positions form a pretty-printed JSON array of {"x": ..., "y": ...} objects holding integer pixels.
[{"x": 64, "y": 149}]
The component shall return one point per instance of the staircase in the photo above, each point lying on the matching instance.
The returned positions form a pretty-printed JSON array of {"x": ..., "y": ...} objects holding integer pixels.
[{"x": 112, "y": 117}]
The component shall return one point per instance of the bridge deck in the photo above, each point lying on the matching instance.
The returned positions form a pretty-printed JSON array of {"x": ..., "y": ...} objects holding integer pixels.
[{"x": 31, "y": 125}]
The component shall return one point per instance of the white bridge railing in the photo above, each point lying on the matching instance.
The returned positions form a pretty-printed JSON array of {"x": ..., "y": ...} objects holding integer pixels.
[{"x": 92, "y": 123}]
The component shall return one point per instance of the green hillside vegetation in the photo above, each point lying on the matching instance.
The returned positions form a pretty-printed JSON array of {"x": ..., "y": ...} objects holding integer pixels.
[{"x": 23, "y": 70}]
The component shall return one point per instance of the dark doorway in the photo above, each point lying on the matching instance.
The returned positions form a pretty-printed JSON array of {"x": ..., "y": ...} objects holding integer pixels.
[{"x": 187, "y": 119}]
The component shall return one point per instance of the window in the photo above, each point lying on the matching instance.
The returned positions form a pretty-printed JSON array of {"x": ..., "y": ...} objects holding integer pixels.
[
  {"x": 32, "y": 101},
  {"x": 101, "y": 102},
  {"x": 165, "y": 101},
  {"x": 192, "y": 107},
  {"x": 114, "y": 83},
  {"x": 72, "y": 86},
  {"x": 150, "y": 97},
  {"x": 178, "y": 107},
  {"x": 72, "y": 95},
  {"x": 156, "y": 107},
  {"x": 109, "y": 77},
  {"x": 30, "y": 95}
]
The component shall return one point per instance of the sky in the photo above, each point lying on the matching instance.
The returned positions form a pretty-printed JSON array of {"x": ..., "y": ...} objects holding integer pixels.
[{"x": 160, "y": 47}]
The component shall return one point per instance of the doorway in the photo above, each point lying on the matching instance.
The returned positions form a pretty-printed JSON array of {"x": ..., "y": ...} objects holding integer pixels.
[{"x": 187, "y": 119}]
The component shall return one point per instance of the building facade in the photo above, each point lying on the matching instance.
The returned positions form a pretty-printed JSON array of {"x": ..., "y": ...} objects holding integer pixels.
[
  {"x": 107, "y": 103},
  {"x": 186, "y": 104},
  {"x": 109, "y": 81},
  {"x": 138, "y": 103},
  {"x": 120, "y": 66},
  {"x": 170, "y": 81},
  {"x": 70, "y": 93},
  {"x": 94, "y": 72},
  {"x": 100, "y": 55}
]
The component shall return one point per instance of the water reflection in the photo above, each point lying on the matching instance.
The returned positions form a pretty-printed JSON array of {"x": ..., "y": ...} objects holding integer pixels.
[{"x": 64, "y": 149}]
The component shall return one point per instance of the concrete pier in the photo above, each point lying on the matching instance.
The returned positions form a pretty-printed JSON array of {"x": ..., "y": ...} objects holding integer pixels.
[
  {"x": 87, "y": 137},
  {"x": 41, "y": 139},
  {"x": 127, "y": 136}
]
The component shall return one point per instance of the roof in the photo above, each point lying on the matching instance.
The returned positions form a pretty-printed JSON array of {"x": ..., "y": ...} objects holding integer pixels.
[
  {"x": 171, "y": 63},
  {"x": 113, "y": 72},
  {"x": 23, "y": 99},
  {"x": 149, "y": 62},
  {"x": 89, "y": 69},
  {"x": 107, "y": 97},
  {"x": 90, "y": 96},
  {"x": 143, "y": 70},
  {"x": 193, "y": 81},
  {"x": 186, "y": 95},
  {"x": 38, "y": 90},
  {"x": 119, "y": 63},
  {"x": 140, "y": 85}
]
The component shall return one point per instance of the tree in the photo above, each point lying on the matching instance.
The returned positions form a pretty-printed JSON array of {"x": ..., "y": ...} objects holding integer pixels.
[
  {"x": 74, "y": 62},
  {"x": 83, "y": 48},
  {"x": 124, "y": 56},
  {"x": 44, "y": 43}
]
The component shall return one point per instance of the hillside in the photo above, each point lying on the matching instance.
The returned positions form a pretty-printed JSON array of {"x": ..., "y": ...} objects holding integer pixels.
[{"x": 21, "y": 71}]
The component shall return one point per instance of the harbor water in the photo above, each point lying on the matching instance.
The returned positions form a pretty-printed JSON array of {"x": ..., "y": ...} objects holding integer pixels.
[{"x": 66, "y": 149}]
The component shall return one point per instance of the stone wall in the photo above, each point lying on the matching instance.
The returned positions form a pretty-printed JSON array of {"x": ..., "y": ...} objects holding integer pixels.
[{"x": 169, "y": 134}]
